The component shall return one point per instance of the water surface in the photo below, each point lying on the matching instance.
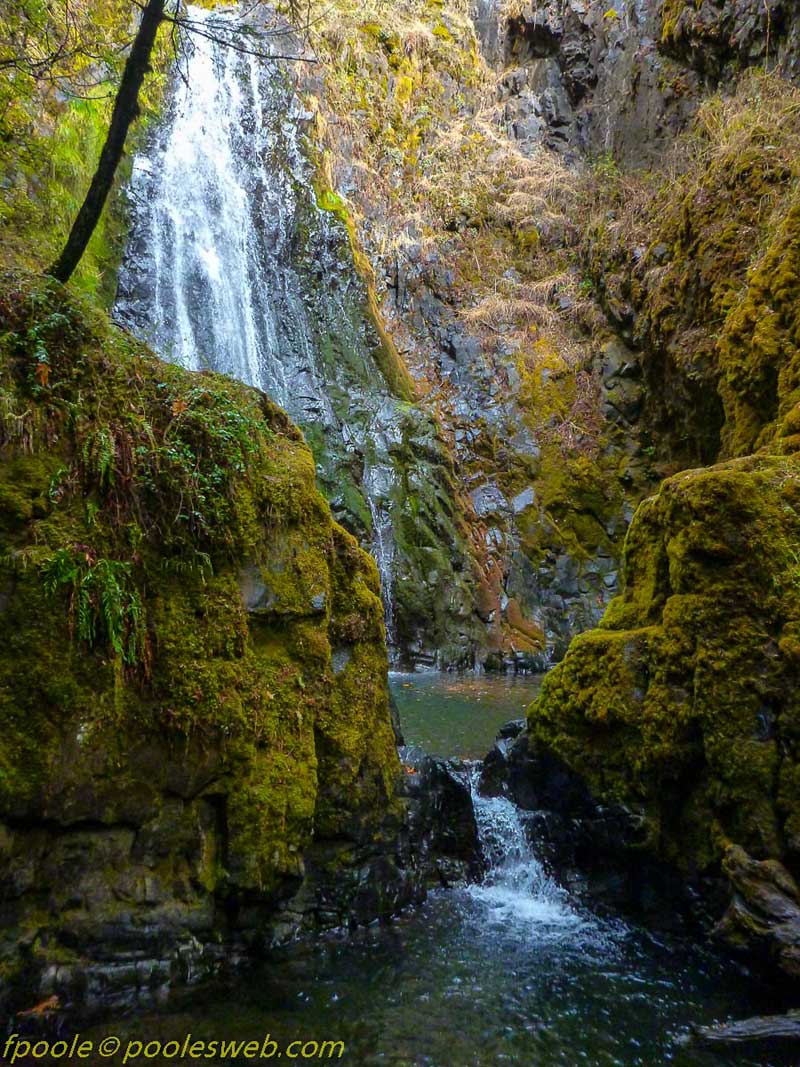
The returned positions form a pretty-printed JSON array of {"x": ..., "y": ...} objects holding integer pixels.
[
  {"x": 459, "y": 714},
  {"x": 464, "y": 983}
]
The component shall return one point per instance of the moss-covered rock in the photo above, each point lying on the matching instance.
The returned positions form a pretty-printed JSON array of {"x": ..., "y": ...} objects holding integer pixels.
[
  {"x": 193, "y": 671},
  {"x": 683, "y": 704},
  {"x": 700, "y": 272}
]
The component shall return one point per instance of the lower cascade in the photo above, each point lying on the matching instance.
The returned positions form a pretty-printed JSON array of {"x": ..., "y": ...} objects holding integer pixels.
[{"x": 516, "y": 888}]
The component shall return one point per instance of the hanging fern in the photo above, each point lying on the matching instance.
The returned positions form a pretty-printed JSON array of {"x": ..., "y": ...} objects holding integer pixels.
[{"x": 105, "y": 609}]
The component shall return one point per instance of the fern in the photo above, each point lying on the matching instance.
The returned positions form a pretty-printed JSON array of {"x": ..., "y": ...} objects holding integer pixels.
[
  {"x": 99, "y": 457},
  {"x": 104, "y": 607},
  {"x": 60, "y": 569}
]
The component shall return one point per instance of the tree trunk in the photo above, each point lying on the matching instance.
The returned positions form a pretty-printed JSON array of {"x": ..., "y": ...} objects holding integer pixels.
[{"x": 126, "y": 109}]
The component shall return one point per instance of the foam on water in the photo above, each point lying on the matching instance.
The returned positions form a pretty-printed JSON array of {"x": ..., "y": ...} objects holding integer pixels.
[{"x": 516, "y": 889}]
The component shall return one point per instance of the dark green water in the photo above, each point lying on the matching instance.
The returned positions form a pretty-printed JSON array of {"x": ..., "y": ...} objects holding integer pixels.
[
  {"x": 512, "y": 972},
  {"x": 460, "y": 714},
  {"x": 451, "y": 986}
]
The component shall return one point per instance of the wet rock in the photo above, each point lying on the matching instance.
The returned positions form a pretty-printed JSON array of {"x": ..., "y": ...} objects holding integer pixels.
[
  {"x": 493, "y": 781},
  {"x": 763, "y": 917},
  {"x": 597, "y": 851},
  {"x": 394, "y": 711},
  {"x": 442, "y": 825},
  {"x": 512, "y": 729}
]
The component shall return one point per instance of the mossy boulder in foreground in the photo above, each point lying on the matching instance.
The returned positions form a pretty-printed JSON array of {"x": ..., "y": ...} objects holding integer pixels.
[
  {"x": 195, "y": 742},
  {"x": 684, "y": 705}
]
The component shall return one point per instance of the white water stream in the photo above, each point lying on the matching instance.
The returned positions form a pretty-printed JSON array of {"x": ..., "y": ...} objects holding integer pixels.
[
  {"x": 231, "y": 265},
  {"x": 516, "y": 887}
]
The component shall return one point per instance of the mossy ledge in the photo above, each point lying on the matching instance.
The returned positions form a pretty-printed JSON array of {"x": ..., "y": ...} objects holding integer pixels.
[{"x": 196, "y": 743}]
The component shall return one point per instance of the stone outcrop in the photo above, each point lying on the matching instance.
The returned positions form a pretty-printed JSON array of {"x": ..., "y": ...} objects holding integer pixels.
[
  {"x": 587, "y": 79},
  {"x": 451, "y": 209},
  {"x": 623, "y": 79},
  {"x": 682, "y": 706},
  {"x": 196, "y": 757}
]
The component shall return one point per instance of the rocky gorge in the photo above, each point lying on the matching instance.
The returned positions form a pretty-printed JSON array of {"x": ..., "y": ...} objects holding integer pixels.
[{"x": 503, "y": 294}]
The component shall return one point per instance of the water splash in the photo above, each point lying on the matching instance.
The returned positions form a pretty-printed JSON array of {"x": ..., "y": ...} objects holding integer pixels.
[{"x": 516, "y": 888}]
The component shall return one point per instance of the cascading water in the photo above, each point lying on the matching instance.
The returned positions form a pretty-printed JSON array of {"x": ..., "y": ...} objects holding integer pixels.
[
  {"x": 232, "y": 266},
  {"x": 516, "y": 888},
  {"x": 377, "y": 484},
  {"x": 214, "y": 217}
]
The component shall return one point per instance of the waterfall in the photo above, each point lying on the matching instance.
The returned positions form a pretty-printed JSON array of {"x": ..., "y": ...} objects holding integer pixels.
[
  {"x": 232, "y": 266},
  {"x": 516, "y": 887},
  {"x": 377, "y": 484},
  {"x": 213, "y": 220}
]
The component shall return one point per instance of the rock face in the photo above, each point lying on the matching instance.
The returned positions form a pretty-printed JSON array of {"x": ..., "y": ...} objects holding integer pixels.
[
  {"x": 622, "y": 80},
  {"x": 284, "y": 301},
  {"x": 473, "y": 278},
  {"x": 719, "y": 38},
  {"x": 595, "y": 848},
  {"x": 683, "y": 705},
  {"x": 441, "y": 820},
  {"x": 589, "y": 80},
  {"x": 197, "y": 759}
]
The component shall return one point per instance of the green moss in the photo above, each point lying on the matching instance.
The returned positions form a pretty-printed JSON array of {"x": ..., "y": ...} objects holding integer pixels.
[
  {"x": 680, "y": 704},
  {"x": 715, "y": 295},
  {"x": 355, "y": 742},
  {"x": 170, "y": 596},
  {"x": 759, "y": 347}
]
